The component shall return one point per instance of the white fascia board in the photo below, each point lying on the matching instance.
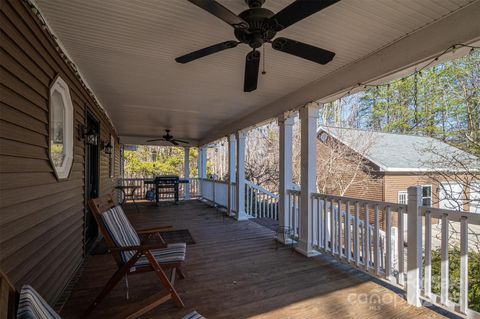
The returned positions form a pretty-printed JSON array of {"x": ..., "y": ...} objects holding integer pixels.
[{"x": 462, "y": 26}]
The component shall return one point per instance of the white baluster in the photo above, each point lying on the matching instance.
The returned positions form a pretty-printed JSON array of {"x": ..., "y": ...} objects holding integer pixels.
[
  {"x": 428, "y": 255},
  {"x": 388, "y": 243},
  {"x": 357, "y": 234},
  {"x": 463, "y": 264},
  {"x": 366, "y": 241},
  {"x": 347, "y": 233},
  {"x": 444, "y": 264}
]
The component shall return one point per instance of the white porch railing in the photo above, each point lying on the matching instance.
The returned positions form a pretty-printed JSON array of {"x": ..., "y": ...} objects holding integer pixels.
[
  {"x": 350, "y": 229},
  {"x": 140, "y": 192},
  {"x": 448, "y": 219},
  {"x": 293, "y": 213},
  {"x": 362, "y": 233},
  {"x": 260, "y": 203},
  {"x": 214, "y": 191}
]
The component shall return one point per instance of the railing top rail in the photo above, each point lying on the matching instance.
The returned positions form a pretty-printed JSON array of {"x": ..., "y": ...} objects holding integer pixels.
[
  {"x": 261, "y": 189},
  {"x": 452, "y": 215},
  {"x": 394, "y": 206},
  {"x": 213, "y": 181},
  {"x": 293, "y": 192}
]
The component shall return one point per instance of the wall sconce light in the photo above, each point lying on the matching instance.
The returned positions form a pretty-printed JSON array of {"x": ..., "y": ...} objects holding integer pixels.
[
  {"x": 89, "y": 135},
  {"x": 107, "y": 148}
]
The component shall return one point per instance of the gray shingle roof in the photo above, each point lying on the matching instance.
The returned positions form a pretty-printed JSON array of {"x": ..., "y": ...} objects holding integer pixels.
[{"x": 400, "y": 152}]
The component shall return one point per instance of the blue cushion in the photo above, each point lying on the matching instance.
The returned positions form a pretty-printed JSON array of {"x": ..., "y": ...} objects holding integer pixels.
[
  {"x": 172, "y": 254},
  {"x": 32, "y": 306},
  {"x": 121, "y": 231},
  {"x": 194, "y": 315}
]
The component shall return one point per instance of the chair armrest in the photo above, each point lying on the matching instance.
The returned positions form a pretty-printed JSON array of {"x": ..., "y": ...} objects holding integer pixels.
[{"x": 154, "y": 230}]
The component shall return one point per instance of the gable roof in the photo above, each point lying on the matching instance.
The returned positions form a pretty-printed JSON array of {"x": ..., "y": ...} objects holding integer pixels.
[{"x": 393, "y": 152}]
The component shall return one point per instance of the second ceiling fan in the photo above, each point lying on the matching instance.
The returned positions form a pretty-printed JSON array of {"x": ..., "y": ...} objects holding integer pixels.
[{"x": 257, "y": 26}]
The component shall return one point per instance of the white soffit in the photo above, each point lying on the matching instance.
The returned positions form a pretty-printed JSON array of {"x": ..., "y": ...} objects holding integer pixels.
[{"x": 126, "y": 51}]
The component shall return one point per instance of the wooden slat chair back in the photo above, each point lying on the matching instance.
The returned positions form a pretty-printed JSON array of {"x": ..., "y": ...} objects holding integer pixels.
[
  {"x": 97, "y": 207},
  {"x": 8, "y": 298},
  {"x": 133, "y": 256}
]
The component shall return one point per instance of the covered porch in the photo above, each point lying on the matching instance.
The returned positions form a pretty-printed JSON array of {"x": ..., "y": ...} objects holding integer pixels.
[
  {"x": 235, "y": 271},
  {"x": 81, "y": 80}
]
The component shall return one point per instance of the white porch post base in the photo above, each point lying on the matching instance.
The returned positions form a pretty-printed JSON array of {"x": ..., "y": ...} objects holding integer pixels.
[
  {"x": 241, "y": 216},
  {"x": 308, "y": 253}
]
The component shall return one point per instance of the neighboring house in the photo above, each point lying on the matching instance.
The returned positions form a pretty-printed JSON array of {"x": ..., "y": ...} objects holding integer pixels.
[{"x": 392, "y": 163}]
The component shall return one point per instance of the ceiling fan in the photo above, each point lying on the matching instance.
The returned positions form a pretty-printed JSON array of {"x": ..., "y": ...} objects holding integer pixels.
[
  {"x": 169, "y": 138},
  {"x": 257, "y": 26}
]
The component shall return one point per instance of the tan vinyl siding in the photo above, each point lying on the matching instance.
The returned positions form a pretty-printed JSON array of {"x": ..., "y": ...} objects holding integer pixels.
[{"x": 41, "y": 219}]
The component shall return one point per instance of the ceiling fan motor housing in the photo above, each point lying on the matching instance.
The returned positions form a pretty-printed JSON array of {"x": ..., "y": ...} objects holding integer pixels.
[{"x": 261, "y": 28}]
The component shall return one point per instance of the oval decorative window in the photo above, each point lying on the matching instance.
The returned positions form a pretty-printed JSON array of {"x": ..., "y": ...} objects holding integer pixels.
[{"x": 61, "y": 129}]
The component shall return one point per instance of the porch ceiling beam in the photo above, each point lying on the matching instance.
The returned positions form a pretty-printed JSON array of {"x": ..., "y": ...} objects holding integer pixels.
[{"x": 462, "y": 26}]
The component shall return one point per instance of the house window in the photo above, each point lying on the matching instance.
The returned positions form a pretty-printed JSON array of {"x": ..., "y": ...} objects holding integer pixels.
[
  {"x": 60, "y": 129},
  {"x": 427, "y": 195},
  {"x": 403, "y": 197}
]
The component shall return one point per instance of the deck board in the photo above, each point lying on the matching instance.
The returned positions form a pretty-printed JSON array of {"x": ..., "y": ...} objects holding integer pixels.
[{"x": 234, "y": 271}]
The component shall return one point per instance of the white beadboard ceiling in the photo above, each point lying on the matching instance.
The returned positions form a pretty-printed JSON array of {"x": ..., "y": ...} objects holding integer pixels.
[{"x": 125, "y": 49}]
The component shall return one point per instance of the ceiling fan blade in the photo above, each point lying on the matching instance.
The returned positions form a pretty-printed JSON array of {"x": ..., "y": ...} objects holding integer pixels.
[
  {"x": 221, "y": 12},
  {"x": 174, "y": 142},
  {"x": 299, "y": 10},
  {"x": 252, "y": 64},
  {"x": 157, "y": 139},
  {"x": 206, "y": 51},
  {"x": 303, "y": 50},
  {"x": 180, "y": 141}
]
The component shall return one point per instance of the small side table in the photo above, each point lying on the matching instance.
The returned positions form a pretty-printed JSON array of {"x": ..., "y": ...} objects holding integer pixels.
[{"x": 128, "y": 192}]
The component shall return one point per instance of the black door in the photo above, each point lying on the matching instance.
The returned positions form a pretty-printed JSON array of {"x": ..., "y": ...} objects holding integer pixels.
[{"x": 92, "y": 176}]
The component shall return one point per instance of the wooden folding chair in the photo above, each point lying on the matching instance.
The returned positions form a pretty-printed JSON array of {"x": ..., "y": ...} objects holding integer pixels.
[
  {"x": 134, "y": 255},
  {"x": 8, "y": 298},
  {"x": 29, "y": 304}
]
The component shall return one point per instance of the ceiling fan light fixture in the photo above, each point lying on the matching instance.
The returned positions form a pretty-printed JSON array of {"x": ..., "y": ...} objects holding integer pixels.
[{"x": 257, "y": 26}]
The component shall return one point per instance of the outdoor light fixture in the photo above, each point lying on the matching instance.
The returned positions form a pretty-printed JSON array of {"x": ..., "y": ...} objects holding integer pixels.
[
  {"x": 107, "y": 148},
  {"x": 91, "y": 137},
  {"x": 88, "y": 134}
]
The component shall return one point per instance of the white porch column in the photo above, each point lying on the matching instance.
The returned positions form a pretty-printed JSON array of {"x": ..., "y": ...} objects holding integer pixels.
[
  {"x": 202, "y": 162},
  {"x": 285, "y": 125},
  {"x": 414, "y": 244},
  {"x": 308, "y": 177},
  {"x": 202, "y": 167},
  {"x": 232, "y": 145},
  {"x": 240, "y": 177},
  {"x": 186, "y": 171}
]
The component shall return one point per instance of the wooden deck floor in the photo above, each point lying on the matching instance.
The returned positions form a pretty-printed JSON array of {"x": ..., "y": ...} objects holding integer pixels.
[{"x": 234, "y": 271}]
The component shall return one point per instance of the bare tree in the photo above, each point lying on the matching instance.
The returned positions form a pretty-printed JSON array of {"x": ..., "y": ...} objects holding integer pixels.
[
  {"x": 262, "y": 156},
  {"x": 341, "y": 167},
  {"x": 457, "y": 174}
]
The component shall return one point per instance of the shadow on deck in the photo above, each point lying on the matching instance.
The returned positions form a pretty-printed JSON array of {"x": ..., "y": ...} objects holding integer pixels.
[{"x": 234, "y": 271}]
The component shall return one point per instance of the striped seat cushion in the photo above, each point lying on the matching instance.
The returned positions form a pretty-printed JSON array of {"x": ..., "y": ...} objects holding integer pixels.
[
  {"x": 194, "y": 315},
  {"x": 121, "y": 231},
  {"x": 172, "y": 254},
  {"x": 32, "y": 306}
]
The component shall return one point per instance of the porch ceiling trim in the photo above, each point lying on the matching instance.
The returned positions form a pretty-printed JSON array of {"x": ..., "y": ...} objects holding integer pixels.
[{"x": 462, "y": 26}]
